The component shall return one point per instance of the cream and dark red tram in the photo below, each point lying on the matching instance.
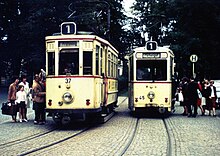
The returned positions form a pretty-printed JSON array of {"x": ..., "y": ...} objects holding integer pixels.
[
  {"x": 150, "y": 78},
  {"x": 81, "y": 75}
]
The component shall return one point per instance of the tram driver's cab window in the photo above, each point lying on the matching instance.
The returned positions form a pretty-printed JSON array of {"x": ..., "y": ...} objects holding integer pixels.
[
  {"x": 69, "y": 62},
  {"x": 151, "y": 70}
]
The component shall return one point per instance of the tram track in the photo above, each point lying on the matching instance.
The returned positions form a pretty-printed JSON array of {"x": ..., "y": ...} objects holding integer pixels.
[
  {"x": 61, "y": 140},
  {"x": 55, "y": 143},
  {"x": 136, "y": 135},
  {"x": 52, "y": 137},
  {"x": 24, "y": 139},
  {"x": 169, "y": 142},
  {"x": 132, "y": 136},
  {"x": 38, "y": 142}
]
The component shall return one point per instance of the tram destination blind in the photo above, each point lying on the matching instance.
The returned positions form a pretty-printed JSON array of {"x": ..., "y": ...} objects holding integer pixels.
[{"x": 151, "y": 55}]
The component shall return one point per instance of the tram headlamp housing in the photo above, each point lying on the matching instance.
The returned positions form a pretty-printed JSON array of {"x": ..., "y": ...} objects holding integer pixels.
[
  {"x": 67, "y": 97},
  {"x": 151, "y": 95}
]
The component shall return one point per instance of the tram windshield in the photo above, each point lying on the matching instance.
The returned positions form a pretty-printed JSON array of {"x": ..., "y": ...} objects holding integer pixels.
[
  {"x": 151, "y": 70},
  {"x": 69, "y": 62}
]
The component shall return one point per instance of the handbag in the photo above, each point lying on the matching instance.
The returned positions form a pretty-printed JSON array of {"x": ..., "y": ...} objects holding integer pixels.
[
  {"x": 6, "y": 108},
  {"x": 199, "y": 94},
  {"x": 180, "y": 97}
]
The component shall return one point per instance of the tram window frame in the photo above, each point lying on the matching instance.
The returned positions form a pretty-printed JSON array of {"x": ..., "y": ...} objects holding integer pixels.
[
  {"x": 131, "y": 76},
  {"x": 171, "y": 67},
  {"x": 109, "y": 63},
  {"x": 87, "y": 63},
  {"x": 101, "y": 59},
  {"x": 155, "y": 70},
  {"x": 69, "y": 64},
  {"x": 97, "y": 60},
  {"x": 51, "y": 63}
]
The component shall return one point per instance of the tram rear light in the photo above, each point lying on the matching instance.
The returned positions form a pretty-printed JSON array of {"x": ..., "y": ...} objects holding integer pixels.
[
  {"x": 60, "y": 103},
  {"x": 50, "y": 102},
  {"x": 88, "y": 102},
  {"x": 136, "y": 99},
  {"x": 166, "y": 100}
]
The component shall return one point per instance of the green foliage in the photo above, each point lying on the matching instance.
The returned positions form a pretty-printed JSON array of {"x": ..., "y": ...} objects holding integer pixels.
[
  {"x": 27, "y": 22},
  {"x": 194, "y": 30}
]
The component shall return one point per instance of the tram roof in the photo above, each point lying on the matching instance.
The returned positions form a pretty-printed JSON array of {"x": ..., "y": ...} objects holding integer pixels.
[{"x": 81, "y": 37}]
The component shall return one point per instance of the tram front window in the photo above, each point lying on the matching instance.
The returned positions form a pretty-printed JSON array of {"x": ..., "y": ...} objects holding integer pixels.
[
  {"x": 151, "y": 70},
  {"x": 69, "y": 62}
]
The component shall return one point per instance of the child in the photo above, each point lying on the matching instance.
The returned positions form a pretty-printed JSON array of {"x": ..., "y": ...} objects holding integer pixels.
[{"x": 21, "y": 100}]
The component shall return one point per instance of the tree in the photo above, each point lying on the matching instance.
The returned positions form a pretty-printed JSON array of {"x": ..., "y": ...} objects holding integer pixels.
[
  {"x": 26, "y": 23},
  {"x": 190, "y": 27}
]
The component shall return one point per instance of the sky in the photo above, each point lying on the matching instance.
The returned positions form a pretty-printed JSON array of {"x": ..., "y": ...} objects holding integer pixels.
[{"x": 127, "y": 4}]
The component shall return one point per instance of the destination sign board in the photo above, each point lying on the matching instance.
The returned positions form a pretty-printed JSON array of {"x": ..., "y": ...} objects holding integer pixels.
[{"x": 151, "y": 55}]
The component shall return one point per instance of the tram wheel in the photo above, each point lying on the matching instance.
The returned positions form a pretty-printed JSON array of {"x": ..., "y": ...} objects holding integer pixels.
[{"x": 57, "y": 118}]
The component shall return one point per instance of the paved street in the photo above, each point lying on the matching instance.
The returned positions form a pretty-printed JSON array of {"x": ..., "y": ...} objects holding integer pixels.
[{"x": 121, "y": 135}]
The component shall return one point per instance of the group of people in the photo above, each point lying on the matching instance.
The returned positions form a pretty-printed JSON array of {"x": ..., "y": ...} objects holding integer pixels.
[
  {"x": 20, "y": 94},
  {"x": 193, "y": 94}
]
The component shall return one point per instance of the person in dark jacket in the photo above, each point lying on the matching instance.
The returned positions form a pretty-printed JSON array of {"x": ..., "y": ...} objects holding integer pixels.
[
  {"x": 12, "y": 97},
  {"x": 39, "y": 103},
  {"x": 213, "y": 98},
  {"x": 193, "y": 97}
]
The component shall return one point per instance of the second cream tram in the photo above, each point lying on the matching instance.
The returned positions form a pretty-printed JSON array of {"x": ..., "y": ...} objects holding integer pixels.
[
  {"x": 150, "y": 78},
  {"x": 81, "y": 75}
]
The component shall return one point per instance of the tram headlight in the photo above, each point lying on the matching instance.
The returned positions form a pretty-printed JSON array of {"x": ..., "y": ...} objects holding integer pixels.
[
  {"x": 67, "y": 97},
  {"x": 151, "y": 95}
]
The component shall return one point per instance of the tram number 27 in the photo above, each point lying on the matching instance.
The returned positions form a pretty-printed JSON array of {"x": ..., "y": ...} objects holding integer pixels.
[{"x": 67, "y": 80}]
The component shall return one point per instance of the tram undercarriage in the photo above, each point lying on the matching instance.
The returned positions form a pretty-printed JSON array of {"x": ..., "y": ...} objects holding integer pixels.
[{"x": 65, "y": 116}]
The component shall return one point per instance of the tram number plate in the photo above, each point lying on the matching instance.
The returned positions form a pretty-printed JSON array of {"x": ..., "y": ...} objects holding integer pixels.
[
  {"x": 67, "y": 80},
  {"x": 141, "y": 97}
]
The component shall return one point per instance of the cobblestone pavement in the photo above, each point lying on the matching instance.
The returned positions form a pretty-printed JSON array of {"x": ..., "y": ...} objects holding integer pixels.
[
  {"x": 194, "y": 136},
  {"x": 189, "y": 136}
]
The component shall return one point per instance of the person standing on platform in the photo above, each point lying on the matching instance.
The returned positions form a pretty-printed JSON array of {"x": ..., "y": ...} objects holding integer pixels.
[
  {"x": 213, "y": 99},
  {"x": 185, "y": 98},
  {"x": 12, "y": 97},
  {"x": 39, "y": 103},
  {"x": 26, "y": 90},
  {"x": 199, "y": 100},
  {"x": 206, "y": 92},
  {"x": 193, "y": 97},
  {"x": 21, "y": 102}
]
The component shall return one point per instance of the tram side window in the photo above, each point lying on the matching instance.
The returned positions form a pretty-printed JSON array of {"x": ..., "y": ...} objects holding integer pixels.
[
  {"x": 87, "y": 63},
  {"x": 131, "y": 69},
  {"x": 69, "y": 62},
  {"x": 97, "y": 60},
  {"x": 109, "y": 63},
  {"x": 151, "y": 70},
  {"x": 171, "y": 68},
  {"x": 51, "y": 63}
]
